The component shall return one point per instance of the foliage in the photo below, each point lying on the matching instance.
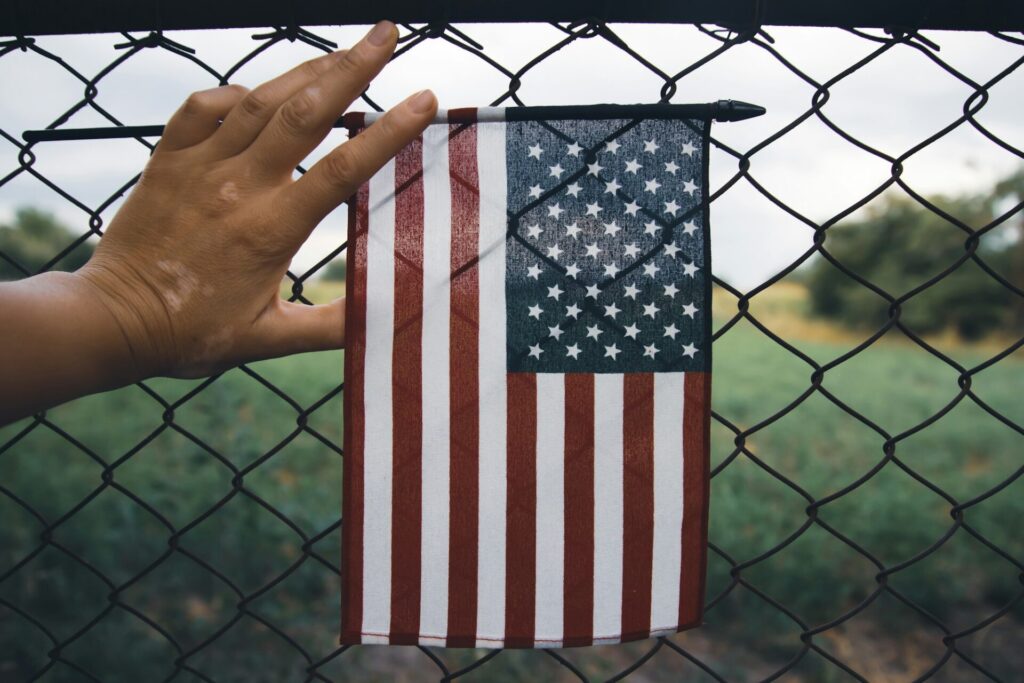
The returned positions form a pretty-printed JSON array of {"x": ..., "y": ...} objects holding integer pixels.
[
  {"x": 818, "y": 577},
  {"x": 32, "y": 241},
  {"x": 335, "y": 270},
  {"x": 901, "y": 245}
]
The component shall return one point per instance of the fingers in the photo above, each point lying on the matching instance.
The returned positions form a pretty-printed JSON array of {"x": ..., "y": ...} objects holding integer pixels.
[
  {"x": 199, "y": 115},
  {"x": 302, "y": 122},
  {"x": 251, "y": 113},
  {"x": 335, "y": 177},
  {"x": 298, "y": 328}
]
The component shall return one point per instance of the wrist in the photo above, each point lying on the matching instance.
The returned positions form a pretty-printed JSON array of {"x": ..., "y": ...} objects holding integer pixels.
[{"x": 126, "y": 354}]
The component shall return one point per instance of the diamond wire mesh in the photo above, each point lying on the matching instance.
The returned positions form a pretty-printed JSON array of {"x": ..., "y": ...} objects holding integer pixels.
[{"x": 242, "y": 617}]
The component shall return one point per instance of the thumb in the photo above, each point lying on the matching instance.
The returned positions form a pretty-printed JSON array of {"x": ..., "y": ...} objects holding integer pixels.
[{"x": 297, "y": 328}]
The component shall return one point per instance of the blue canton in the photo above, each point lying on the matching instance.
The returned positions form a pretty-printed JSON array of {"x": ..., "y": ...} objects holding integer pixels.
[{"x": 605, "y": 259}]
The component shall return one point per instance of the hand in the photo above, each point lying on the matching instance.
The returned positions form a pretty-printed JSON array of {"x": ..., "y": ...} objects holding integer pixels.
[{"x": 190, "y": 268}]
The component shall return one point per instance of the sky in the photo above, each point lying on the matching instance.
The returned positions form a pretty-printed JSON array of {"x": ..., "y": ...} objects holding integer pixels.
[{"x": 893, "y": 104}]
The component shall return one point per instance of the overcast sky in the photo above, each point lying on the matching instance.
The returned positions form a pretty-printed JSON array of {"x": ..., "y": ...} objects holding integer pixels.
[{"x": 892, "y": 104}]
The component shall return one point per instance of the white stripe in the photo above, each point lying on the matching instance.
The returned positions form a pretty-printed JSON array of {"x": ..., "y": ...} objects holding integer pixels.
[
  {"x": 550, "y": 508},
  {"x": 437, "y": 216},
  {"x": 490, "y": 617},
  {"x": 607, "y": 507},
  {"x": 668, "y": 499},
  {"x": 380, "y": 298},
  {"x": 483, "y": 114}
]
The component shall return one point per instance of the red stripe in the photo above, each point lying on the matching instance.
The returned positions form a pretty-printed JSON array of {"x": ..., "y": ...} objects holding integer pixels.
[
  {"x": 407, "y": 412},
  {"x": 464, "y": 388},
  {"x": 638, "y": 503},
  {"x": 696, "y": 431},
  {"x": 521, "y": 511},
  {"x": 352, "y": 484},
  {"x": 578, "y": 606}
]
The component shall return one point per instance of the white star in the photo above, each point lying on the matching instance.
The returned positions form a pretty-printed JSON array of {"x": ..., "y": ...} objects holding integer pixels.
[
  {"x": 650, "y": 227},
  {"x": 593, "y": 209},
  {"x": 631, "y": 291},
  {"x": 651, "y": 146},
  {"x": 555, "y": 211},
  {"x": 572, "y": 270},
  {"x": 670, "y": 166},
  {"x": 535, "y": 151},
  {"x": 535, "y": 312},
  {"x": 572, "y": 311},
  {"x": 671, "y": 331},
  {"x": 671, "y": 207},
  {"x": 533, "y": 271},
  {"x": 631, "y": 249},
  {"x": 689, "y": 310},
  {"x": 651, "y": 310},
  {"x": 573, "y": 351},
  {"x": 632, "y": 331},
  {"x": 650, "y": 350},
  {"x": 534, "y": 191},
  {"x": 533, "y": 231},
  {"x": 689, "y": 186},
  {"x": 554, "y": 292},
  {"x": 594, "y": 168},
  {"x": 632, "y": 208},
  {"x": 556, "y": 170},
  {"x": 593, "y": 331},
  {"x": 535, "y": 351},
  {"x": 652, "y": 186},
  {"x": 593, "y": 250},
  {"x": 688, "y": 148},
  {"x": 573, "y": 189},
  {"x": 611, "y": 270},
  {"x": 671, "y": 250},
  {"x": 690, "y": 269},
  {"x": 573, "y": 149},
  {"x": 632, "y": 166},
  {"x": 650, "y": 268},
  {"x": 592, "y": 291},
  {"x": 572, "y": 230},
  {"x": 671, "y": 290},
  {"x": 689, "y": 350},
  {"x": 611, "y": 228},
  {"x": 612, "y": 146},
  {"x": 611, "y": 186},
  {"x": 554, "y": 251},
  {"x": 611, "y": 351},
  {"x": 555, "y": 332},
  {"x": 612, "y": 310},
  {"x": 689, "y": 227}
]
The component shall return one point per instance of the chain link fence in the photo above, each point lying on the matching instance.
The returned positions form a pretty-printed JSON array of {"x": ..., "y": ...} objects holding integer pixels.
[{"x": 865, "y": 516}]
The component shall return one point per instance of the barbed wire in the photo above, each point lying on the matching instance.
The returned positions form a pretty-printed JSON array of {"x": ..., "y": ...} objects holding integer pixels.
[{"x": 329, "y": 663}]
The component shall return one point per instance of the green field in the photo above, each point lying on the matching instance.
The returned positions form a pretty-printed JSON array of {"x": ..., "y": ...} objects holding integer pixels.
[{"x": 818, "y": 446}]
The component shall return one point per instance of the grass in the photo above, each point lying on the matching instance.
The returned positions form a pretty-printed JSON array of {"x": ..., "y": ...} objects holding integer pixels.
[{"x": 816, "y": 445}]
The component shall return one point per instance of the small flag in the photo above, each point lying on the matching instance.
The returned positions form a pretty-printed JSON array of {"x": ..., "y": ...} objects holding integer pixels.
[{"x": 527, "y": 380}]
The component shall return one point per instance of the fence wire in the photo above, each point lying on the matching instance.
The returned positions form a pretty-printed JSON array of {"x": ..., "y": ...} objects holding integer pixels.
[{"x": 247, "y": 619}]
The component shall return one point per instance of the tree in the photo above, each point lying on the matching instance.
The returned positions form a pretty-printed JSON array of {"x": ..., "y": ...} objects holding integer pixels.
[
  {"x": 902, "y": 245},
  {"x": 33, "y": 240},
  {"x": 335, "y": 270}
]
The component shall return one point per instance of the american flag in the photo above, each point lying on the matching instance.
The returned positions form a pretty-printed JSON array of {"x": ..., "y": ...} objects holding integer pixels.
[{"x": 527, "y": 382}]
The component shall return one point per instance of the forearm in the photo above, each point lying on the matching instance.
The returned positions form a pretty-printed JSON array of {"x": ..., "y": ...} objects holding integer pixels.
[{"x": 58, "y": 341}]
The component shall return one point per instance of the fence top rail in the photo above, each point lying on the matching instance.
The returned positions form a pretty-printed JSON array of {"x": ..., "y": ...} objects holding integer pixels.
[{"x": 42, "y": 17}]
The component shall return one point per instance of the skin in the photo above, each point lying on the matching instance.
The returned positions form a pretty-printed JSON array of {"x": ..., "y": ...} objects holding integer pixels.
[{"x": 185, "y": 282}]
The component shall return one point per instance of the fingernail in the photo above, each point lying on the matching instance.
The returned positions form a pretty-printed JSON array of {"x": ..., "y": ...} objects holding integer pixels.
[
  {"x": 380, "y": 34},
  {"x": 421, "y": 102}
]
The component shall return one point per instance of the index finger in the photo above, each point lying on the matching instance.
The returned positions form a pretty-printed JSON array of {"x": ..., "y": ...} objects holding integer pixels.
[{"x": 307, "y": 116}]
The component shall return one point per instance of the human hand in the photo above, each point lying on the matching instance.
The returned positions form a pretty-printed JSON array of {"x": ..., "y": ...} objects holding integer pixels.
[{"x": 190, "y": 268}]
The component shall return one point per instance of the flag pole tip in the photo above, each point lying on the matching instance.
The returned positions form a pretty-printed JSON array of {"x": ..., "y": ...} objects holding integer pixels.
[{"x": 733, "y": 110}]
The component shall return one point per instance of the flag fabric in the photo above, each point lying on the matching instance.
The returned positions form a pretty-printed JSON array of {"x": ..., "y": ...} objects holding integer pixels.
[{"x": 527, "y": 380}]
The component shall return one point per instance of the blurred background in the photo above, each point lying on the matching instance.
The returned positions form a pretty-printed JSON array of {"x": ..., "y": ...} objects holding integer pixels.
[{"x": 865, "y": 509}]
